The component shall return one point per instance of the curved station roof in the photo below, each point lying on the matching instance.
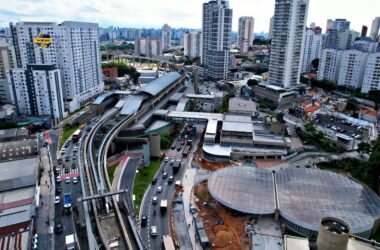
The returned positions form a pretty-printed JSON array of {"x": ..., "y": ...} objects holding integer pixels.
[
  {"x": 304, "y": 196},
  {"x": 155, "y": 87}
]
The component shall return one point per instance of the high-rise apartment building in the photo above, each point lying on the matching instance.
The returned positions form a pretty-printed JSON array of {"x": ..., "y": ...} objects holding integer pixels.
[
  {"x": 364, "y": 31},
  {"x": 371, "y": 79},
  {"x": 37, "y": 90},
  {"x": 73, "y": 48},
  {"x": 245, "y": 33},
  {"x": 7, "y": 61},
  {"x": 365, "y": 45},
  {"x": 166, "y": 37},
  {"x": 148, "y": 47},
  {"x": 216, "y": 40},
  {"x": 375, "y": 29},
  {"x": 352, "y": 66},
  {"x": 192, "y": 42},
  {"x": 329, "y": 65},
  {"x": 270, "y": 34},
  {"x": 329, "y": 25},
  {"x": 341, "y": 24},
  {"x": 287, "y": 42},
  {"x": 312, "y": 49}
]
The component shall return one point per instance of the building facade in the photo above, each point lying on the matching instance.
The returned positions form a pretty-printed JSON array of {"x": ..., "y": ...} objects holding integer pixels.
[
  {"x": 148, "y": 47},
  {"x": 192, "y": 42},
  {"x": 329, "y": 65},
  {"x": 216, "y": 40},
  {"x": 245, "y": 33},
  {"x": 352, "y": 66},
  {"x": 73, "y": 48},
  {"x": 270, "y": 34},
  {"x": 375, "y": 29},
  {"x": 312, "y": 49},
  {"x": 287, "y": 42},
  {"x": 37, "y": 90},
  {"x": 166, "y": 37},
  {"x": 7, "y": 61},
  {"x": 371, "y": 80}
]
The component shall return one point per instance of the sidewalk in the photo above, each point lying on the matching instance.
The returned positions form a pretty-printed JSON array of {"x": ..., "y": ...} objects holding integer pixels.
[
  {"x": 188, "y": 199},
  {"x": 45, "y": 217}
]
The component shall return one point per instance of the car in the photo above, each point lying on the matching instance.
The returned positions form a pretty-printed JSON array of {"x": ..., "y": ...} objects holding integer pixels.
[
  {"x": 57, "y": 200},
  {"x": 166, "y": 159},
  {"x": 154, "y": 200},
  {"x": 154, "y": 181},
  {"x": 74, "y": 165},
  {"x": 75, "y": 180},
  {"x": 58, "y": 228},
  {"x": 179, "y": 148},
  {"x": 67, "y": 145},
  {"x": 35, "y": 238},
  {"x": 172, "y": 162},
  {"x": 58, "y": 190},
  {"x": 67, "y": 170},
  {"x": 74, "y": 158},
  {"x": 58, "y": 179},
  {"x": 144, "y": 220},
  {"x": 59, "y": 161},
  {"x": 171, "y": 179},
  {"x": 63, "y": 151},
  {"x": 182, "y": 142},
  {"x": 67, "y": 180},
  {"x": 164, "y": 175},
  {"x": 67, "y": 158},
  {"x": 173, "y": 147},
  {"x": 358, "y": 137},
  {"x": 159, "y": 189},
  {"x": 153, "y": 231}
]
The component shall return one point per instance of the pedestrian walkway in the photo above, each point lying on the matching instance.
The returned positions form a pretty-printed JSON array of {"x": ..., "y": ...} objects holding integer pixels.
[
  {"x": 188, "y": 199},
  {"x": 45, "y": 217},
  {"x": 172, "y": 153}
]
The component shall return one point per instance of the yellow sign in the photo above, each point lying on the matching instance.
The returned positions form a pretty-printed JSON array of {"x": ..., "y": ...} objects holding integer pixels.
[{"x": 43, "y": 40}]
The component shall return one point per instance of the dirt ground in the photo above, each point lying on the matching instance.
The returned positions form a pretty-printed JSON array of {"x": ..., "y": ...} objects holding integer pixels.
[{"x": 224, "y": 229}]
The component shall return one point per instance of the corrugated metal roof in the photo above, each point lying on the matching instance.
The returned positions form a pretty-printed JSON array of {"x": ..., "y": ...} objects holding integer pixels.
[
  {"x": 15, "y": 215},
  {"x": 237, "y": 127},
  {"x": 101, "y": 98},
  {"x": 131, "y": 104},
  {"x": 156, "y": 86}
]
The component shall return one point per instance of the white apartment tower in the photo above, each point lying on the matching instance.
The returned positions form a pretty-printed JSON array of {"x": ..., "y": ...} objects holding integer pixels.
[
  {"x": 286, "y": 54},
  {"x": 375, "y": 29},
  {"x": 148, "y": 47},
  {"x": 371, "y": 80},
  {"x": 192, "y": 42},
  {"x": 312, "y": 49},
  {"x": 270, "y": 34},
  {"x": 74, "y": 49},
  {"x": 329, "y": 65},
  {"x": 352, "y": 68},
  {"x": 166, "y": 37},
  {"x": 245, "y": 33},
  {"x": 37, "y": 90},
  {"x": 216, "y": 40}
]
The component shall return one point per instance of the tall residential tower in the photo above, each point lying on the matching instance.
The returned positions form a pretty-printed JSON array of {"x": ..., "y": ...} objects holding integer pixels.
[
  {"x": 216, "y": 28},
  {"x": 166, "y": 37},
  {"x": 245, "y": 33},
  {"x": 289, "y": 23}
]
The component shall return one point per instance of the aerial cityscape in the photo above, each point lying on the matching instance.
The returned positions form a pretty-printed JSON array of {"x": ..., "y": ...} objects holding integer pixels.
[{"x": 205, "y": 124}]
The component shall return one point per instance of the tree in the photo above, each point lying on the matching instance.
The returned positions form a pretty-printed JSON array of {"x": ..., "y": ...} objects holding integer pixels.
[
  {"x": 374, "y": 95},
  {"x": 315, "y": 64},
  {"x": 364, "y": 147},
  {"x": 252, "y": 82},
  {"x": 280, "y": 117}
]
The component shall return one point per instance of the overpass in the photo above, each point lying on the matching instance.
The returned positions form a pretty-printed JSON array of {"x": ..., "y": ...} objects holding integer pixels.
[{"x": 188, "y": 117}]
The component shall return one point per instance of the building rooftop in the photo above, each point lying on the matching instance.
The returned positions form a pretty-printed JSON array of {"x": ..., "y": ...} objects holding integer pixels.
[
  {"x": 16, "y": 133},
  {"x": 17, "y": 149},
  {"x": 296, "y": 243},
  {"x": 18, "y": 174},
  {"x": 155, "y": 87},
  {"x": 100, "y": 99},
  {"x": 368, "y": 112},
  {"x": 237, "y": 104},
  {"x": 211, "y": 126},
  {"x": 197, "y": 96},
  {"x": 132, "y": 104},
  {"x": 237, "y": 118},
  {"x": 237, "y": 127}
]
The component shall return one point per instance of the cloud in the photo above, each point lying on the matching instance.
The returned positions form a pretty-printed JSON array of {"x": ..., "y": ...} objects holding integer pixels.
[{"x": 177, "y": 13}]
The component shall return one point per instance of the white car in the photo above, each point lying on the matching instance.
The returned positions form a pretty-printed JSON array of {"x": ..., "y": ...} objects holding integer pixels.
[
  {"x": 153, "y": 231},
  {"x": 57, "y": 200},
  {"x": 166, "y": 159},
  {"x": 159, "y": 189},
  {"x": 58, "y": 179},
  {"x": 154, "y": 200},
  {"x": 75, "y": 180},
  {"x": 63, "y": 151},
  {"x": 67, "y": 179}
]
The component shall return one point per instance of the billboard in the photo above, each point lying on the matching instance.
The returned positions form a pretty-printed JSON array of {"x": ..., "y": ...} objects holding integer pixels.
[{"x": 43, "y": 40}]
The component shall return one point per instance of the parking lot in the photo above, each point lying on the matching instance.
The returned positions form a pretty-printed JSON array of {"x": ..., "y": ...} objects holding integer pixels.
[{"x": 340, "y": 126}]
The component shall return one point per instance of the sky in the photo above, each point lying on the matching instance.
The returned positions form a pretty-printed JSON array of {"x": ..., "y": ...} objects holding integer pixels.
[{"x": 177, "y": 13}]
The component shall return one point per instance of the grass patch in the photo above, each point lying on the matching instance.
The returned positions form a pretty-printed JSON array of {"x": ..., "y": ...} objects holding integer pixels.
[
  {"x": 142, "y": 180},
  {"x": 67, "y": 132},
  {"x": 111, "y": 171}
]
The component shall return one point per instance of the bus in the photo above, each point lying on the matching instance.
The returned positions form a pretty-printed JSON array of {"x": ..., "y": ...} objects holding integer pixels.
[
  {"x": 167, "y": 242},
  {"x": 77, "y": 134}
]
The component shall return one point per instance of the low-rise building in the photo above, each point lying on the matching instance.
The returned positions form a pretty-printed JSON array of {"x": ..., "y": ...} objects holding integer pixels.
[
  {"x": 275, "y": 94},
  {"x": 14, "y": 134},
  {"x": 240, "y": 106},
  {"x": 368, "y": 115}
]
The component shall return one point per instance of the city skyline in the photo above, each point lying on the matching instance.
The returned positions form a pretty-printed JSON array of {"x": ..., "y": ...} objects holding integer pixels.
[{"x": 177, "y": 13}]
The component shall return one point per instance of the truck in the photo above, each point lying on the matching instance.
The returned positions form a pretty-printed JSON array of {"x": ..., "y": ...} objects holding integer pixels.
[
  {"x": 70, "y": 242},
  {"x": 176, "y": 166},
  {"x": 167, "y": 242},
  {"x": 163, "y": 206},
  {"x": 67, "y": 202},
  {"x": 186, "y": 150}
]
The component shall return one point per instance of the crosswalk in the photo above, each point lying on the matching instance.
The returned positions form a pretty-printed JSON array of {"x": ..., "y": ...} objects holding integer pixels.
[
  {"x": 72, "y": 172},
  {"x": 173, "y": 153}
]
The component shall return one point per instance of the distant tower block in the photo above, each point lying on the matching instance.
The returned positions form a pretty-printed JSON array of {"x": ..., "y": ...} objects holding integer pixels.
[
  {"x": 333, "y": 234},
  {"x": 155, "y": 145}
]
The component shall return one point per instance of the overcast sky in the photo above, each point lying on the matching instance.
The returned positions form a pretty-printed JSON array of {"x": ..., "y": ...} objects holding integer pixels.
[{"x": 177, "y": 13}]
